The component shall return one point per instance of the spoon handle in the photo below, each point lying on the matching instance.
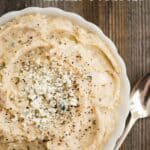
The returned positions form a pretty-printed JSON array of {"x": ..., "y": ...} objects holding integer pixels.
[{"x": 129, "y": 124}]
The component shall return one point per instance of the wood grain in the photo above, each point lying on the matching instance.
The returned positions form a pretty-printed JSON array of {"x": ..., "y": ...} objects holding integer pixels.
[{"x": 127, "y": 23}]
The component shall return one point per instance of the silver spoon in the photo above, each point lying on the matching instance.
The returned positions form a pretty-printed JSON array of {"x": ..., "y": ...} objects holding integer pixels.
[{"x": 139, "y": 106}]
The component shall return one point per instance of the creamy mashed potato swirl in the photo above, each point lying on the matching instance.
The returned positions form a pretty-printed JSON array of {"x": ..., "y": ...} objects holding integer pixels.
[{"x": 59, "y": 86}]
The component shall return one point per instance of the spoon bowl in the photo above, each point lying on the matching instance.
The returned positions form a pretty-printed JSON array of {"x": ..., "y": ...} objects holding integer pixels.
[{"x": 140, "y": 97}]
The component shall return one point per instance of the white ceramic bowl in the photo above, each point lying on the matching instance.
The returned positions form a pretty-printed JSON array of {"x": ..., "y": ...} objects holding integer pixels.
[{"x": 125, "y": 85}]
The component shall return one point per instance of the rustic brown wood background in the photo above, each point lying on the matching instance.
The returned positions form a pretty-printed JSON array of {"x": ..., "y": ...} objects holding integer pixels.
[{"x": 127, "y": 23}]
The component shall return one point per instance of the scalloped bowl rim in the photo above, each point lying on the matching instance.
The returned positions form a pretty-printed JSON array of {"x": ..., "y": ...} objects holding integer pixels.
[{"x": 125, "y": 84}]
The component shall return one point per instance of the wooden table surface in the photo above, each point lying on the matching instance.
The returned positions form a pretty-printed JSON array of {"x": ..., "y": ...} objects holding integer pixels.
[{"x": 127, "y": 23}]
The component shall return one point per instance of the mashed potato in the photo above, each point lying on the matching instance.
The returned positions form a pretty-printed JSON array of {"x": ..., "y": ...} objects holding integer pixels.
[{"x": 59, "y": 86}]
